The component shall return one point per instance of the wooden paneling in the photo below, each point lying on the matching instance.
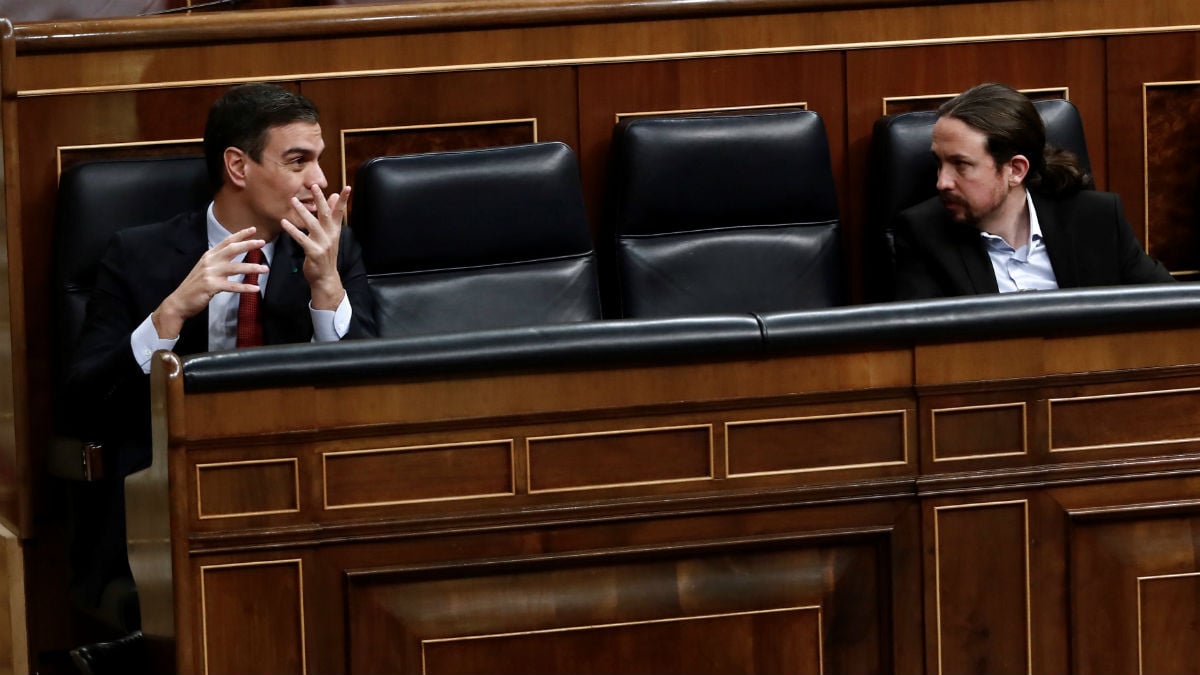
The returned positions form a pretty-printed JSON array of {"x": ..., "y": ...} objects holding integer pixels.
[
  {"x": 1152, "y": 85},
  {"x": 249, "y": 487},
  {"x": 377, "y": 477},
  {"x": 787, "y": 608},
  {"x": 579, "y": 461},
  {"x": 979, "y": 610},
  {"x": 817, "y": 443},
  {"x": 369, "y": 117},
  {"x": 253, "y": 617}
]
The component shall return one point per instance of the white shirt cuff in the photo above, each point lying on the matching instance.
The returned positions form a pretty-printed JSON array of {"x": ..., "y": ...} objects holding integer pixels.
[
  {"x": 331, "y": 325},
  {"x": 145, "y": 341}
]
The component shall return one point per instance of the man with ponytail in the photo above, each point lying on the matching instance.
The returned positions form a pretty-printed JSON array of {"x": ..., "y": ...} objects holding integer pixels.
[{"x": 1012, "y": 213}]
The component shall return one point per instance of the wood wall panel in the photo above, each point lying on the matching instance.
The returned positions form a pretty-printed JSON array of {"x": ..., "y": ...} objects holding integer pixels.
[
  {"x": 746, "y": 610},
  {"x": 378, "y": 477},
  {"x": 253, "y": 617},
  {"x": 229, "y": 489},
  {"x": 441, "y": 111},
  {"x": 815, "y": 443},
  {"x": 980, "y": 573},
  {"x": 1133, "y": 578},
  {"x": 1150, "y": 132},
  {"x": 613, "y": 458}
]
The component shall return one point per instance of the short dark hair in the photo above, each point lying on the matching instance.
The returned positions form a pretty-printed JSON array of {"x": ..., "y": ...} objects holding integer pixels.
[
  {"x": 241, "y": 117},
  {"x": 1013, "y": 127}
]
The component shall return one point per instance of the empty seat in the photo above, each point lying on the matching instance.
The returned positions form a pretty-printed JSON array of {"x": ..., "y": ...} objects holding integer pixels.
[
  {"x": 476, "y": 239},
  {"x": 903, "y": 173},
  {"x": 724, "y": 213}
]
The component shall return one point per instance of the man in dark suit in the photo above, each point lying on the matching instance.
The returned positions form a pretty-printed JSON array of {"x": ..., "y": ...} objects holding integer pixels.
[
  {"x": 268, "y": 262},
  {"x": 1012, "y": 213}
]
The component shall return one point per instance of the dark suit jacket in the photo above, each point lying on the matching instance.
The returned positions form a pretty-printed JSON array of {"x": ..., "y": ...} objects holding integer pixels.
[
  {"x": 141, "y": 267},
  {"x": 1086, "y": 235}
]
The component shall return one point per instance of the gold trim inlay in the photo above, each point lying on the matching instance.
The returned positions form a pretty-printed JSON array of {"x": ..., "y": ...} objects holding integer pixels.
[
  {"x": 735, "y": 108},
  {"x": 864, "y": 465},
  {"x": 602, "y": 60},
  {"x": 1024, "y": 431},
  {"x": 1104, "y": 446},
  {"x": 621, "y": 624},
  {"x": 416, "y": 448},
  {"x": 937, "y": 571},
  {"x": 363, "y": 131},
  {"x": 1066, "y": 92},
  {"x": 213, "y": 465},
  {"x": 1141, "y": 637},
  {"x": 58, "y": 151},
  {"x": 299, "y": 563},
  {"x": 620, "y": 432}
]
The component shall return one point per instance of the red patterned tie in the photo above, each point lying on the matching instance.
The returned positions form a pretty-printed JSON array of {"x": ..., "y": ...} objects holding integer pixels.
[{"x": 249, "y": 328}]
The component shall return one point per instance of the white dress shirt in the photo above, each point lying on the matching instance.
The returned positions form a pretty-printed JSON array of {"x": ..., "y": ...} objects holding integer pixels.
[
  {"x": 1026, "y": 268},
  {"x": 328, "y": 325}
]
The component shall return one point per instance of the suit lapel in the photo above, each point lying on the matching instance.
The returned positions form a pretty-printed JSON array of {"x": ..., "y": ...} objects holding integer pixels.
[
  {"x": 189, "y": 247},
  {"x": 976, "y": 265},
  {"x": 285, "y": 303},
  {"x": 1057, "y": 237}
]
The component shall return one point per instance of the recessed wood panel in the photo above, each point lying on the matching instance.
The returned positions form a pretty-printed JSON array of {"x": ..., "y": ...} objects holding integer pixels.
[
  {"x": 1134, "y": 577},
  {"x": 1169, "y": 624},
  {"x": 1124, "y": 420},
  {"x": 981, "y": 588},
  {"x": 1150, "y": 141},
  {"x": 253, "y": 618},
  {"x": 716, "y": 644},
  {"x": 789, "y": 607},
  {"x": 376, "y": 477},
  {"x": 247, "y": 488},
  {"x": 817, "y": 443},
  {"x": 978, "y": 431},
  {"x": 360, "y": 145},
  {"x": 636, "y": 456},
  {"x": 1173, "y": 175}
]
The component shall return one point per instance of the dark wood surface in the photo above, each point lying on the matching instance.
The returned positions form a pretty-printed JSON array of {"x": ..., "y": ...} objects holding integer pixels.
[{"x": 1031, "y": 517}]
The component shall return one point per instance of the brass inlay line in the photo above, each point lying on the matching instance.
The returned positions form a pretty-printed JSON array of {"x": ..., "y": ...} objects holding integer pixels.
[
  {"x": 1066, "y": 92},
  {"x": 1146, "y": 150},
  {"x": 286, "y": 460},
  {"x": 1141, "y": 636},
  {"x": 644, "y": 622},
  {"x": 620, "y": 432},
  {"x": 1133, "y": 394},
  {"x": 937, "y": 571},
  {"x": 601, "y": 60},
  {"x": 1024, "y": 431},
  {"x": 132, "y": 144},
  {"x": 733, "y": 108},
  {"x": 299, "y": 563},
  {"x": 363, "y": 131},
  {"x": 416, "y": 448},
  {"x": 864, "y": 465}
]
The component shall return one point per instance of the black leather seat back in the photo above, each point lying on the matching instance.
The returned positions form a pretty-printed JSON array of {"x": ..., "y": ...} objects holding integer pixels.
[
  {"x": 724, "y": 213},
  {"x": 476, "y": 239},
  {"x": 903, "y": 172},
  {"x": 97, "y": 199}
]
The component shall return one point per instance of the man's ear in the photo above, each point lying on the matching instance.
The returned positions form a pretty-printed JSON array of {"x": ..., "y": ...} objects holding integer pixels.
[
  {"x": 235, "y": 166},
  {"x": 1018, "y": 169}
]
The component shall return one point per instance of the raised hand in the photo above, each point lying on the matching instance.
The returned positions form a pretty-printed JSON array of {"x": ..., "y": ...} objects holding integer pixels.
[
  {"x": 208, "y": 277},
  {"x": 318, "y": 234}
]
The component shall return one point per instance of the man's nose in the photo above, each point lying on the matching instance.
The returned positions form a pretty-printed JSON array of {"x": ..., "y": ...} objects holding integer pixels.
[
  {"x": 943, "y": 180},
  {"x": 316, "y": 175}
]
